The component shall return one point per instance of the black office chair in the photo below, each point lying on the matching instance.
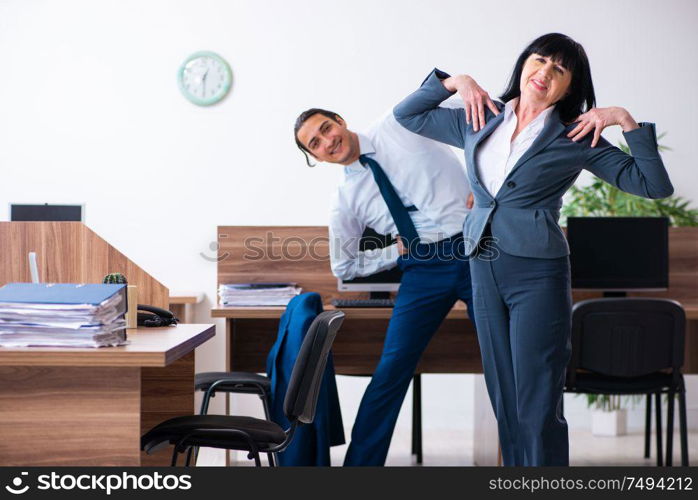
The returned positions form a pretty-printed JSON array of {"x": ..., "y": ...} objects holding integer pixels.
[
  {"x": 235, "y": 383},
  {"x": 632, "y": 346},
  {"x": 252, "y": 434}
]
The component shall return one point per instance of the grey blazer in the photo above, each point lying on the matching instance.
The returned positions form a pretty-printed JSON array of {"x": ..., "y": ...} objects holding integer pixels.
[{"x": 524, "y": 213}]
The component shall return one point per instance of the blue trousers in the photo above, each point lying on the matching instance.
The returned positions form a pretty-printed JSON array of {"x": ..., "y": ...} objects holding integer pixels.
[
  {"x": 523, "y": 309},
  {"x": 432, "y": 282}
]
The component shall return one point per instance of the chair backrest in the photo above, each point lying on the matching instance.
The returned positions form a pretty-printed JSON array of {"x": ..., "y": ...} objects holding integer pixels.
[
  {"x": 627, "y": 337},
  {"x": 306, "y": 378}
]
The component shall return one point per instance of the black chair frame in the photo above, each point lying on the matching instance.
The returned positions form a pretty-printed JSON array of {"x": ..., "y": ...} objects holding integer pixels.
[
  {"x": 623, "y": 375},
  {"x": 300, "y": 404}
]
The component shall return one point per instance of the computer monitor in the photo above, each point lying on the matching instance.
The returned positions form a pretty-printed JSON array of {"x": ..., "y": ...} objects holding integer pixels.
[
  {"x": 379, "y": 284},
  {"x": 46, "y": 212},
  {"x": 619, "y": 254}
]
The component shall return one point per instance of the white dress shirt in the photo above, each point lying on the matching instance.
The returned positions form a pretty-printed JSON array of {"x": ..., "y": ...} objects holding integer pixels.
[
  {"x": 425, "y": 173},
  {"x": 498, "y": 154}
]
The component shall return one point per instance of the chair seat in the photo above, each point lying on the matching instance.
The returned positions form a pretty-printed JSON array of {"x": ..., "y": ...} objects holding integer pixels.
[
  {"x": 239, "y": 382},
  {"x": 593, "y": 382},
  {"x": 262, "y": 432}
]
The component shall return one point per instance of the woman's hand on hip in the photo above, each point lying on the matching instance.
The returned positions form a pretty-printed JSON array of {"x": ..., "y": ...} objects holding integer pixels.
[
  {"x": 474, "y": 99},
  {"x": 597, "y": 119}
]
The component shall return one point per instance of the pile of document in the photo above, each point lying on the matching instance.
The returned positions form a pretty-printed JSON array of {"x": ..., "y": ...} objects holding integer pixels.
[
  {"x": 257, "y": 294},
  {"x": 62, "y": 315}
]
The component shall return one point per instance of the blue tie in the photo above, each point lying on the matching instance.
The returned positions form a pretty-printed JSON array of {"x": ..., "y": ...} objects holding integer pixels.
[{"x": 399, "y": 212}]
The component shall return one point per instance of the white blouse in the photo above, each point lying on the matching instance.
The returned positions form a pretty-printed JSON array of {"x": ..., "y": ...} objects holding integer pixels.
[{"x": 497, "y": 154}]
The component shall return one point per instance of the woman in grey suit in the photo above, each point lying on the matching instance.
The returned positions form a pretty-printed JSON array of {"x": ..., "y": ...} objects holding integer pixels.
[{"x": 521, "y": 158}]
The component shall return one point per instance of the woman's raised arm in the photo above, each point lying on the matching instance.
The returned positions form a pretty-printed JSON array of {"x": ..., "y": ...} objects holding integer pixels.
[
  {"x": 642, "y": 173},
  {"x": 420, "y": 112}
]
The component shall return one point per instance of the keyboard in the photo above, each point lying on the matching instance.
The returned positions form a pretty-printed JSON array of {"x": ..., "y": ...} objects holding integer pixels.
[{"x": 340, "y": 303}]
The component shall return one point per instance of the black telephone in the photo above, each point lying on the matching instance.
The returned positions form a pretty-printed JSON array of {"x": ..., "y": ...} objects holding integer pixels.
[{"x": 154, "y": 316}]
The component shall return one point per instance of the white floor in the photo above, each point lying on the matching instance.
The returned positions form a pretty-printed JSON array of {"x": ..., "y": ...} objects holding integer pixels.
[
  {"x": 447, "y": 399},
  {"x": 447, "y": 448}
]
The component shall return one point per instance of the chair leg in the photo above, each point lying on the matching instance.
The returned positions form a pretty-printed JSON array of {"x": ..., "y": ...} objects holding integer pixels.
[
  {"x": 205, "y": 401},
  {"x": 193, "y": 452},
  {"x": 254, "y": 454},
  {"x": 272, "y": 457},
  {"x": 417, "y": 418},
  {"x": 670, "y": 429},
  {"x": 683, "y": 427},
  {"x": 187, "y": 461},
  {"x": 658, "y": 412},
  {"x": 175, "y": 453},
  {"x": 648, "y": 425}
]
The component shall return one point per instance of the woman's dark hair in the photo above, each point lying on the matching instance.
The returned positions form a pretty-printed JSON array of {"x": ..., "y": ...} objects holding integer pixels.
[
  {"x": 302, "y": 118},
  {"x": 565, "y": 51}
]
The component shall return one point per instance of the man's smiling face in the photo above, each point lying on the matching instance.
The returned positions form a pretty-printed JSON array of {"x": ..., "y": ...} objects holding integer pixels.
[{"x": 329, "y": 140}]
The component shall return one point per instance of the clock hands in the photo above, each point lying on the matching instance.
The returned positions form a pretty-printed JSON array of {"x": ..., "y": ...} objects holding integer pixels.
[{"x": 203, "y": 83}]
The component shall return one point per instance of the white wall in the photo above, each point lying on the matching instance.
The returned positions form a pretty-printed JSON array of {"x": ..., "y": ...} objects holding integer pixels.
[{"x": 90, "y": 111}]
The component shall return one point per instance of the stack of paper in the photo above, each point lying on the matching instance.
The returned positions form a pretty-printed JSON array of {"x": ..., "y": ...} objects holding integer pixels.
[
  {"x": 257, "y": 294},
  {"x": 62, "y": 315}
]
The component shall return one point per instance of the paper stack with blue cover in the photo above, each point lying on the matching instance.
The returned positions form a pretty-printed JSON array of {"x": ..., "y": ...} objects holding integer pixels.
[
  {"x": 257, "y": 294},
  {"x": 62, "y": 315}
]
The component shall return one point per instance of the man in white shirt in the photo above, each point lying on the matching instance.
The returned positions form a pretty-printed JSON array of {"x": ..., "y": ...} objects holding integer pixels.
[{"x": 415, "y": 189}]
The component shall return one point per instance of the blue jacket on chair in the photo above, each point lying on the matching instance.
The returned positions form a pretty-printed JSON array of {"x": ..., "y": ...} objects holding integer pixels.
[{"x": 311, "y": 443}]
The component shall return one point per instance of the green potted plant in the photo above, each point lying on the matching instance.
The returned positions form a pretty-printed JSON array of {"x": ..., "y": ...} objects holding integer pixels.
[{"x": 600, "y": 199}]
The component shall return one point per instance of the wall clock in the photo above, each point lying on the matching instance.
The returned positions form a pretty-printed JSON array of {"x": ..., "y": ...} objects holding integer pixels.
[{"x": 204, "y": 78}]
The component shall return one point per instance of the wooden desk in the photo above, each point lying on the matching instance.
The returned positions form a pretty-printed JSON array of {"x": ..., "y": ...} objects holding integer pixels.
[
  {"x": 64, "y": 406},
  {"x": 251, "y": 331},
  {"x": 301, "y": 254}
]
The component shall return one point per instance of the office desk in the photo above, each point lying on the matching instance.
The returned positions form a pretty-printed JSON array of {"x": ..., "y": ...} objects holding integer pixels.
[
  {"x": 65, "y": 406},
  {"x": 251, "y": 331},
  {"x": 301, "y": 254}
]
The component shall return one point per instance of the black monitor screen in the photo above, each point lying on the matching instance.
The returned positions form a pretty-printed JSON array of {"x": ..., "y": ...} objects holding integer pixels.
[
  {"x": 21, "y": 213},
  {"x": 619, "y": 253}
]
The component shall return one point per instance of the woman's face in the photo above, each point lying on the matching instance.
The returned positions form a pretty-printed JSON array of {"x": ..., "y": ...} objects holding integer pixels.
[{"x": 544, "y": 81}]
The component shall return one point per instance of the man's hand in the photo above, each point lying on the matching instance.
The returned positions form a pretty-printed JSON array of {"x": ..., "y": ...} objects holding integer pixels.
[
  {"x": 400, "y": 247},
  {"x": 470, "y": 201}
]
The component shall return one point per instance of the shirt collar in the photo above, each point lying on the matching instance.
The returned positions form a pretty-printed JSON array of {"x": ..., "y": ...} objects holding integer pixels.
[{"x": 365, "y": 148}]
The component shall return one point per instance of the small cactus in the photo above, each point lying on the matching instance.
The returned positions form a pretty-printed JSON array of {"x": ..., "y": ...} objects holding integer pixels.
[{"x": 115, "y": 278}]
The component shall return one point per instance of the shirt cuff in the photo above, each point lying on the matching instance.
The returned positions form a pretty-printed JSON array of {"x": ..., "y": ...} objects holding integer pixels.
[{"x": 377, "y": 260}]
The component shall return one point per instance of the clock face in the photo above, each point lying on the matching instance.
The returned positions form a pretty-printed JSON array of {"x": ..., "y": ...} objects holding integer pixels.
[{"x": 204, "y": 78}]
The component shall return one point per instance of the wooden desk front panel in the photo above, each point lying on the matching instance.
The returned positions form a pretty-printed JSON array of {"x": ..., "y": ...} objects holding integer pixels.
[
  {"x": 60, "y": 416},
  {"x": 53, "y": 413},
  {"x": 357, "y": 348}
]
